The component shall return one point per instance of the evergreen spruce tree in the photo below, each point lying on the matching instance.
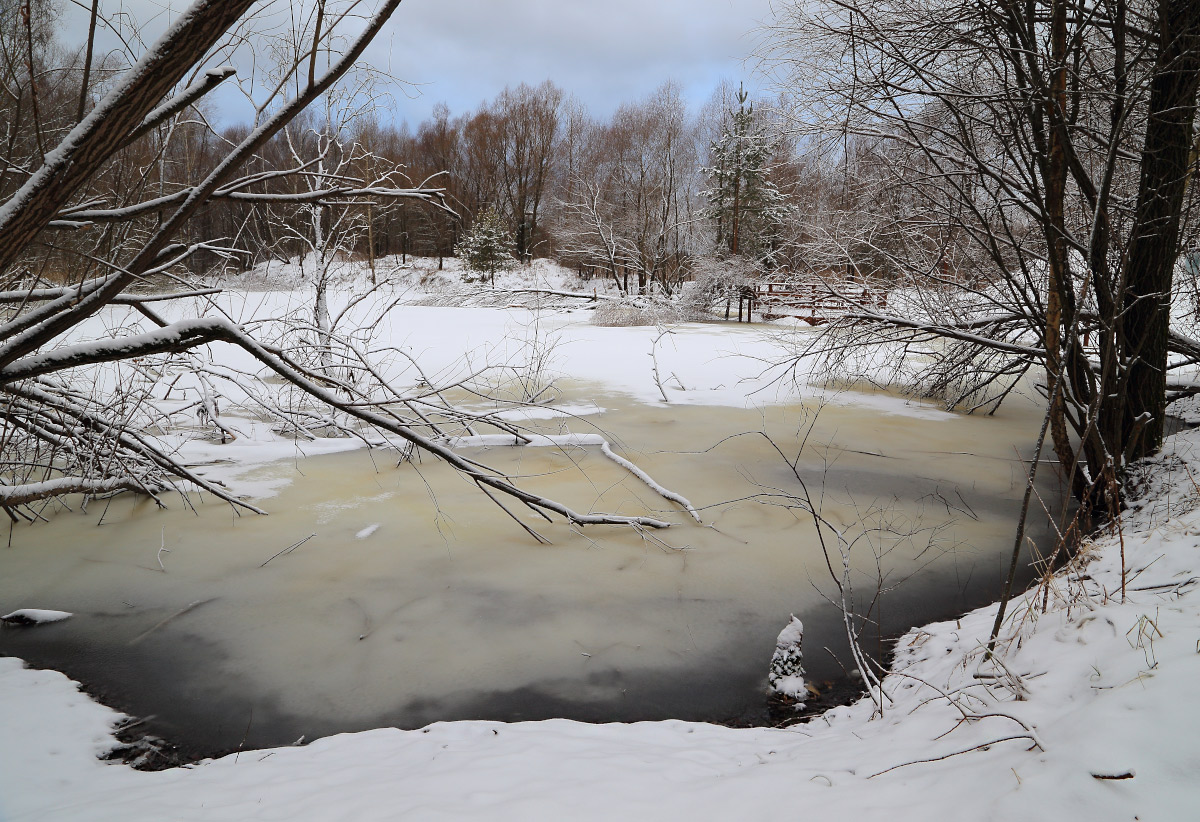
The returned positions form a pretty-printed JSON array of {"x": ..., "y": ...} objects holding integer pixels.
[
  {"x": 748, "y": 208},
  {"x": 487, "y": 248}
]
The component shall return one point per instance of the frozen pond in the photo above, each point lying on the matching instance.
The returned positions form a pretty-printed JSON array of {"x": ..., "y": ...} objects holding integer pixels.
[{"x": 418, "y": 600}]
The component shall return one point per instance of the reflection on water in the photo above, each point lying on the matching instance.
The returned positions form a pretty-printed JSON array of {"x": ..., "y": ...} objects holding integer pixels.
[{"x": 447, "y": 610}]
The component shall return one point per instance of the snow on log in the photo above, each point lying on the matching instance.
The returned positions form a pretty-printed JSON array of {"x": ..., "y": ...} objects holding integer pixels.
[
  {"x": 580, "y": 440},
  {"x": 34, "y": 616},
  {"x": 786, "y": 676},
  {"x": 32, "y": 491},
  {"x": 665, "y": 493},
  {"x": 526, "y": 440}
]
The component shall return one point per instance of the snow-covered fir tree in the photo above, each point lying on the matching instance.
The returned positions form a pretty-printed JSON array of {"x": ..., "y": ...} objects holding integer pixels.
[
  {"x": 487, "y": 247},
  {"x": 747, "y": 206}
]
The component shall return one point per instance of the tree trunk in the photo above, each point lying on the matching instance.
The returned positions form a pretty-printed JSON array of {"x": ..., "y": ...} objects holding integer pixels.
[
  {"x": 1155, "y": 244},
  {"x": 371, "y": 239},
  {"x": 1058, "y": 287}
]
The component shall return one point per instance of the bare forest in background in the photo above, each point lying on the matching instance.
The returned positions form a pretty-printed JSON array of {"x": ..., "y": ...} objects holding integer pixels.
[{"x": 631, "y": 198}]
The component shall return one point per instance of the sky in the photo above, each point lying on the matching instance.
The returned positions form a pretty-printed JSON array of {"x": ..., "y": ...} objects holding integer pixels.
[
  {"x": 604, "y": 52},
  {"x": 462, "y": 52}
]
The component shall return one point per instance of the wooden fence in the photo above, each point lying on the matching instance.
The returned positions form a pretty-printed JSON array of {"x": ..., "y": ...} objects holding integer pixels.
[{"x": 814, "y": 301}]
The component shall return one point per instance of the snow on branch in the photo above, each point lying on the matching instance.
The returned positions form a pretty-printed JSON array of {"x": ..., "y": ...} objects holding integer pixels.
[
  {"x": 948, "y": 331},
  {"x": 579, "y": 440},
  {"x": 42, "y": 294},
  {"x": 210, "y": 80},
  {"x": 187, "y": 334},
  {"x": 174, "y": 337},
  {"x": 11, "y": 495},
  {"x": 71, "y": 423},
  {"x": 88, "y": 146},
  {"x": 433, "y": 196},
  {"x": 665, "y": 493}
]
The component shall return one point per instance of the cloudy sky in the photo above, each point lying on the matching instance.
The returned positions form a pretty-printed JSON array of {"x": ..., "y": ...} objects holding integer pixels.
[{"x": 602, "y": 51}]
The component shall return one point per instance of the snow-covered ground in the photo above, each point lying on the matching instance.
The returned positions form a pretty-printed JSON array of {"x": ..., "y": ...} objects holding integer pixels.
[
  {"x": 421, "y": 276},
  {"x": 697, "y": 363},
  {"x": 1087, "y": 712}
]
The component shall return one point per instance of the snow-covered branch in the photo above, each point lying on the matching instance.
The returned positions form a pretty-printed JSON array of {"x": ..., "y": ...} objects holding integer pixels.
[{"x": 13, "y": 495}]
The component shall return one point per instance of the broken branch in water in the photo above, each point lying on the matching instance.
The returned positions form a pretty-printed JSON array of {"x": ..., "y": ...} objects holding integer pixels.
[
  {"x": 172, "y": 617},
  {"x": 665, "y": 493},
  {"x": 289, "y": 549},
  {"x": 162, "y": 549}
]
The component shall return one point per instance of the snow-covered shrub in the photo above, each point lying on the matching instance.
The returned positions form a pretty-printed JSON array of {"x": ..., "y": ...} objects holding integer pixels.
[
  {"x": 786, "y": 676},
  {"x": 716, "y": 281},
  {"x": 639, "y": 311}
]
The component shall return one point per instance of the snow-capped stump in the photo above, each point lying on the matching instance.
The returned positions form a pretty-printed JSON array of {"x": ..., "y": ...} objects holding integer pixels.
[
  {"x": 33, "y": 616},
  {"x": 787, "y": 670}
]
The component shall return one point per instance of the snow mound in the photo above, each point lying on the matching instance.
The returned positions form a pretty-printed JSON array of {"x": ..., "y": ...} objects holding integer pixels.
[
  {"x": 34, "y": 616},
  {"x": 787, "y": 668}
]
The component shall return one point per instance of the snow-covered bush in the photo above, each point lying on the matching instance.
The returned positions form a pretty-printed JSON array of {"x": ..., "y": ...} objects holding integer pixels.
[
  {"x": 786, "y": 676},
  {"x": 715, "y": 282},
  {"x": 640, "y": 311}
]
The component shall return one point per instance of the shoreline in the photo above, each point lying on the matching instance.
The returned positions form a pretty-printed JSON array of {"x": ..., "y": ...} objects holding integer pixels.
[{"x": 1085, "y": 716}]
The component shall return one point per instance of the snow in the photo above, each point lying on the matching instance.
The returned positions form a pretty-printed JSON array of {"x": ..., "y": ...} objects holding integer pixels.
[
  {"x": 792, "y": 633},
  {"x": 34, "y": 616},
  {"x": 665, "y": 493},
  {"x": 699, "y": 363},
  {"x": 1087, "y": 711},
  {"x": 786, "y": 673}
]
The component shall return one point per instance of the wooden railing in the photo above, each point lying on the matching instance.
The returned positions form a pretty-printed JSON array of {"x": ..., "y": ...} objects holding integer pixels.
[{"x": 816, "y": 302}]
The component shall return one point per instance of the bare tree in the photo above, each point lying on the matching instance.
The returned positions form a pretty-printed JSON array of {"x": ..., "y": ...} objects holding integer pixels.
[
  {"x": 528, "y": 127},
  {"x": 60, "y": 438},
  {"x": 1047, "y": 148},
  {"x": 627, "y": 207}
]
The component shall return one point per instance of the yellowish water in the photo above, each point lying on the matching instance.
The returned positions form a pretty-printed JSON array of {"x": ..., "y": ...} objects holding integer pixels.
[{"x": 448, "y": 609}]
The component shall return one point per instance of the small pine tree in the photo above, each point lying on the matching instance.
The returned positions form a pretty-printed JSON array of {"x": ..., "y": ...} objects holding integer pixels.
[
  {"x": 487, "y": 248},
  {"x": 748, "y": 208}
]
